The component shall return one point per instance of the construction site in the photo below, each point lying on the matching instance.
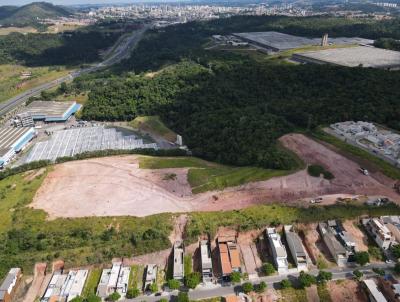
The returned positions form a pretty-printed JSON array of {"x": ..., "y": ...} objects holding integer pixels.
[{"x": 114, "y": 186}]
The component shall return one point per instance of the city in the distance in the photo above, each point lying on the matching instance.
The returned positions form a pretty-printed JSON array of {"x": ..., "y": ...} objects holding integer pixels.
[{"x": 200, "y": 151}]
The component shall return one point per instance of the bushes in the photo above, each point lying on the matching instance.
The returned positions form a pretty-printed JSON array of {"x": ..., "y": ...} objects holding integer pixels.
[
  {"x": 268, "y": 269},
  {"x": 113, "y": 297},
  {"x": 261, "y": 287},
  {"x": 358, "y": 274},
  {"x": 362, "y": 258},
  {"x": 132, "y": 293},
  {"x": 306, "y": 280},
  {"x": 235, "y": 277},
  {"x": 286, "y": 283},
  {"x": 316, "y": 171},
  {"x": 173, "y": 284},
  {"x": 193, "y": 279},
  {"x": 324, "y": 276},
  {"x": 247, "y": 287}
]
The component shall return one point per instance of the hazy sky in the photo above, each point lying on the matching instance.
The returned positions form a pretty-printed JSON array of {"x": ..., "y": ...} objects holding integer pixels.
[{"x": 67, "y": 2}]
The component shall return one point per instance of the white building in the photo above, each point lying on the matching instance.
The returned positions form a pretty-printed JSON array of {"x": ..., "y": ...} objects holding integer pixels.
[
  {"x": 278, "y": 251},
  {"x": 73, "y": 285},
  {"x": 373, "y": 292},
  {"x": 151, "y": 276},
  {"x": 178, "y": 266},
  {"x": 54, "y": 288},
  {"x": 379, "y": 232},
  {"x": 123, "y": 280},
  {"x": 113, "y": 280},
  {"x": 206, "y": 262}
]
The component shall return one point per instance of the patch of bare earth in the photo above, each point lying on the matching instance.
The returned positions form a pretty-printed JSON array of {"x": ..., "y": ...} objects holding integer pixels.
[
  {"x": 312, "y": 294},
  {"x": 248, "y": 249},
  {"x": 39, "y": 281},
  {"x": 116, "y": 186},
  {"x": 312, "y": 241},
  {"x": 346, "y": 291},
  {"x": 348, "y": 178},
  {"x": 359, "y": 237}
]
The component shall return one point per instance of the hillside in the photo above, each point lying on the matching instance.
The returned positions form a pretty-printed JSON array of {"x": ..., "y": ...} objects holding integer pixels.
[{"x": 30, "y": 13}]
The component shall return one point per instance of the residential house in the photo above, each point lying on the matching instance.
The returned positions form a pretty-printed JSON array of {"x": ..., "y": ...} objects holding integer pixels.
[
  {"x": 206, "y": 261},
  {"x": 296, "y": 248},
  {"x": 278, "y": 251},
  {"x": 10, "y": 285}
]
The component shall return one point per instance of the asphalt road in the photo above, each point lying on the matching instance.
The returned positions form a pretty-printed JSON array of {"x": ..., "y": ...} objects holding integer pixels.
[
  {"x": 228, "y": 289},
  {"x": 121, "y": 52}
]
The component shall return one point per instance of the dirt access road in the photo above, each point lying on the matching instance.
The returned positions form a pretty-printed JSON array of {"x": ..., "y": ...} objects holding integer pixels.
[{"x": 116, "y": 186}]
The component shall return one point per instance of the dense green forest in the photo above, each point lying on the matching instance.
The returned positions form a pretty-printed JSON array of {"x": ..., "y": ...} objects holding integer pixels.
[
  {"x": 232, "y": 109},
  {"x": 29, "y": 14},
  {"x": 388, "y": 43},
  {"x": 233, "y": 112},
  {"x": 69, "y": 48}
]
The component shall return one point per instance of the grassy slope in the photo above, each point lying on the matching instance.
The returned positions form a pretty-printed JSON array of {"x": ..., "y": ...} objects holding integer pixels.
[
  {"x": 358, "y": 153},
  {"x": 9, "y": 79},
  {"x": 206, "y": 176},
  {"x": 91, "y": 282},
  {"x": 15, "y": 192},
  {"x": 153, "y": 125},
  {"x": 294, "y": 295},
  {"x": 79, "y": 241}
]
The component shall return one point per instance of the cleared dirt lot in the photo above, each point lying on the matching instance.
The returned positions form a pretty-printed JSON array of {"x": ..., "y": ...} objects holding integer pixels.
[
  {"x": 346, "y": 291},
  {"x": 348, "y": 178},
  {"x": 115, "y": 186}
]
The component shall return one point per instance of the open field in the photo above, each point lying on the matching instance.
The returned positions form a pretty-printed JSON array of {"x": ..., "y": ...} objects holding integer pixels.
[
  {"x": 11, "y": 84},
  {"x": 115, "y": 186},
  {"x": 205, "y": 176},
  {"x": 80, "y": 98},
  {"x": 23, "y": 30}
]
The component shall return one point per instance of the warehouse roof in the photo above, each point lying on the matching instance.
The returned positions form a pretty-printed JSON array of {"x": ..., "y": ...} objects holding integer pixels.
[
  {"x": 276, "y": 40},
  {"x": 9, "y": 136},
  {"x": 354, "y": 56},
  {"x": 50, "y": 110},
  {"x": 281, "y": 41}
]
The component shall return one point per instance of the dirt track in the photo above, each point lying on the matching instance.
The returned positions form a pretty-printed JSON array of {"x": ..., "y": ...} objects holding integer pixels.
[{"x": 115, "y": 186}]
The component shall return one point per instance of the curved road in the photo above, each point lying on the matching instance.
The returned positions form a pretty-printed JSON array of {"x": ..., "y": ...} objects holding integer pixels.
[{"x": 121, "y": 52}]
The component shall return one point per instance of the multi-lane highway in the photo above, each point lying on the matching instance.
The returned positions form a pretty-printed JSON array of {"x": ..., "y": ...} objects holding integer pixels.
[{"x": 120, "y": 52}]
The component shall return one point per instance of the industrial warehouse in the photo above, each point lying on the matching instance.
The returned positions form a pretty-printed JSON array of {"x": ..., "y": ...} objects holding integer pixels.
[
  {"x": 360, "y": 56},
  {"x": 12, "y": 141},
  {"x": 277, "y": 41},
  {"x": 78, "y": 140},
  {"x": 47, "y": 111}
]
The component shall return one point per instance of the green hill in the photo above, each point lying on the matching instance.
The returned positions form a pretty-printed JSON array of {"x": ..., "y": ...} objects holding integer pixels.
[{"x": 30, "y": 14}]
